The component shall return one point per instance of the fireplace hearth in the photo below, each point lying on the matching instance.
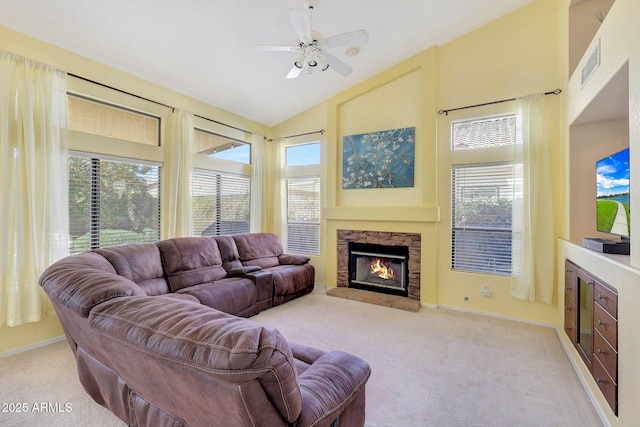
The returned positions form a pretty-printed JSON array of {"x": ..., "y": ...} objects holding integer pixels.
[{"x": 380, "y": 268}]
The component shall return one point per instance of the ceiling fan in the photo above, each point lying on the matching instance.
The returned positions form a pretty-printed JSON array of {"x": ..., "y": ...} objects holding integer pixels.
[{"x": 313, "y": 47}]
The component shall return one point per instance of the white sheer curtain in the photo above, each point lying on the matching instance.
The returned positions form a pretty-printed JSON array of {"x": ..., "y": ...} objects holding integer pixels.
[
  {"x": 278, "y": 214},
  {"x": 33, "y": 183},
  {"x": 178, "y": 164},
  {"x": 533, "y": 246},
  {"x": 258, "y": 205}
]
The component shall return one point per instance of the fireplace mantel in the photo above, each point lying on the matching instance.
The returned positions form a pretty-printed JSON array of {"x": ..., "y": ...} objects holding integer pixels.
[{"x": 375, "y": 213}]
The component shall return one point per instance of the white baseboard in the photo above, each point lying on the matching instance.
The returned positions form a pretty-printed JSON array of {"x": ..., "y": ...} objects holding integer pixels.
[
  {"x": 32, "y": 347},
  {"x": 498, "y": 316}
]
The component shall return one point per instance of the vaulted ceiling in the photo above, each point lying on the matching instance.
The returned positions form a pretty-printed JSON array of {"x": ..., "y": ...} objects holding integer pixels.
[{"x": 207, "y": 48}]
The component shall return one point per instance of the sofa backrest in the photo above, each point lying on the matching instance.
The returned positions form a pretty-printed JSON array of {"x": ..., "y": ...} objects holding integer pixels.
[
  {"x": 228, "y": 252},
  {"x": 190, "y": 261},
  {"x": 261, "y": 249},
  {"x": 216, "y": 362},
  {"x": 140, "y": 263}
]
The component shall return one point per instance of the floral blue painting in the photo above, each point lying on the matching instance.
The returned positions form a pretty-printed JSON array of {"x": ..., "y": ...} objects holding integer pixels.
[{"x": 383, "y": 159}]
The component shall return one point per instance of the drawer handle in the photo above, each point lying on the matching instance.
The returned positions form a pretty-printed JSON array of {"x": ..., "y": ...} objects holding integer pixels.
[
  {"x": 600, "y": 351},
  {"x": 568, "y": 270},
  {"x": 600, "y": 380},
  {"x": 567, "y": 328},
  {"x": 567, "y": 289},
  {"x": 600, "y": 323},
  {"x": 600, "y": 296},
  {"x": 568, "y": 308}
]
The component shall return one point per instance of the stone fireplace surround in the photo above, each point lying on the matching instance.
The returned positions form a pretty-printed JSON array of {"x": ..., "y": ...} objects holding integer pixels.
[{"x": 412, "y": 240}]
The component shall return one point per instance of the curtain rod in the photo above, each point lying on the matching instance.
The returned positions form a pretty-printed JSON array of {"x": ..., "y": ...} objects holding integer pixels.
[
  {"x": 321, "y": 132},
  {"x": 151, "y": 100},
  {"x": 446, "y": 112}
]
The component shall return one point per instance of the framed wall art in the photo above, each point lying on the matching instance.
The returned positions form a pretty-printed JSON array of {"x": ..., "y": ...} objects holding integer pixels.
[{"x": 382, "y": 159}]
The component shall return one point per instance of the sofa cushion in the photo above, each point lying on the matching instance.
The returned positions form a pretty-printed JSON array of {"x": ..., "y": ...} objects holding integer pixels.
[
  {"x": 190, "y": 261},
  {"x": 231, "y": 295},
  {"x": 290, "y": 279},
  {"x": 261, "y": 249},
  {"x": 140, "y": 263},
  {"x": 228, "y": 252}
]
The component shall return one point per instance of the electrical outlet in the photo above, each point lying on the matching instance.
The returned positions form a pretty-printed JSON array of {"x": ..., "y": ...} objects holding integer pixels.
[{"x": 485, "y": 292}]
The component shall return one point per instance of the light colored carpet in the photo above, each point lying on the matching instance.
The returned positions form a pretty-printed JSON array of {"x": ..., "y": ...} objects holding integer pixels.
[{"x": 435, "y": 367}]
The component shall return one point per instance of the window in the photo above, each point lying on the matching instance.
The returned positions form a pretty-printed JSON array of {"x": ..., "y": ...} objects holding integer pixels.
[
  {"x": 221, "y": 203},
  {"x": 221, "y": 147},
  {"x": 483, "y": 133},
  {"x": 112, "y": 202},
  {"x": 481, "y": 209},
  {"x": 482, "y": 198},
  {"x": 303, "y": 215},
  {"x": 302, "y": 155}
]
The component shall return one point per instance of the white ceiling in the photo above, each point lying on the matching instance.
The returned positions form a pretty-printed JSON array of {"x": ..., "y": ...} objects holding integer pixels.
[{"x": 206, "y": 48}]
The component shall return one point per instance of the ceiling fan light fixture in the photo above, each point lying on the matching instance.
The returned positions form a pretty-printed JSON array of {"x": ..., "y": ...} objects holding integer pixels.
[
  {"x": 300, "y": 62},
  {"x": 352, "y": 51}
]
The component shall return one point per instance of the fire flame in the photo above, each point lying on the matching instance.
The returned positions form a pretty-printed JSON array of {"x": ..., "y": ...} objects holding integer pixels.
[{"x": 383, "y": 272}]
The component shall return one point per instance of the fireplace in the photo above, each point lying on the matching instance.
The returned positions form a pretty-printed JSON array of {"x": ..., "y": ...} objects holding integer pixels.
[
  {"x": 380, "y": 268},
  {"x": 412, "y": 241}
]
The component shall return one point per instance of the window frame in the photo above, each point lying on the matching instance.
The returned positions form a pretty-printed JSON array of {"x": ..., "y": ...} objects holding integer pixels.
[
  {"x": 298, "y": 172},
  {"x": 500, "y": 154},
  {"x": 95, "y": 217},
  {"x": 309, "y": 248}
]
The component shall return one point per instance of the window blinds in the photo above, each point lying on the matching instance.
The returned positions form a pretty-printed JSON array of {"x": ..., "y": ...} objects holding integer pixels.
[
  {"x": 112, "y": 202},
  {"x": 303, "y": 215},
  {"x": 482, "y": 197},
  {"x": 221, "y": 203}
]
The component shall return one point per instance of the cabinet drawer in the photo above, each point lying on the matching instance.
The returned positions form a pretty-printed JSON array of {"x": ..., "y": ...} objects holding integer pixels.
[
  {"x": 607, "y": 386},
  {"x": 607, "y": 298},
  {"x": 570, "y": 317},
  {"x": 606, "y": 325},
  {"x": 606, "y": 355},
  {"x": 570, "y": 280}
]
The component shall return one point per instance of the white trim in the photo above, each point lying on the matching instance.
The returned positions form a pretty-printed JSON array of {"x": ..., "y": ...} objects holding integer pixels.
[
  {"x": 32, "y": 347},
  {"x": 498, "y": 316},
  {"x": 428, "y": 305}
]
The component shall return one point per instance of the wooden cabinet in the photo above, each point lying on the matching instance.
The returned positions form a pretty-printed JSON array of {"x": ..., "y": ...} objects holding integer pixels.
[{"x": 591, "y": 323}]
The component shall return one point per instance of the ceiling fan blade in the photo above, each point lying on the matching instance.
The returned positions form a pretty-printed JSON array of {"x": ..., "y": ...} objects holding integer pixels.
[
  {"x": 301, "y": 24},
  {"x": 346, "y": 39},
  {"x": 295, "y": 72},
  {"x": 340, "y": 67},
  {"x": 278, "y": 48}
]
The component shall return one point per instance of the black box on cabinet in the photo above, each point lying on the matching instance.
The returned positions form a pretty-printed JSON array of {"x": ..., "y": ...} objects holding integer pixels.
[{"x": 606, "y": 246}]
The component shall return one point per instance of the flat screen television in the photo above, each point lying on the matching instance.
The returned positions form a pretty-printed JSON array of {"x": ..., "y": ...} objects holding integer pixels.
[{"x": 612, "y": 194}]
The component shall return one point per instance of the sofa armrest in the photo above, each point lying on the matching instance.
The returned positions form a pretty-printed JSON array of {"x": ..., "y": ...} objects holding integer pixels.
[
  {"x": 292, "y": 259},
  {"x": 83, "y": 281},
  {"x": 242, "y": 271},
  {"x": 264, "y": 286},
  {"x": 329, "y": 386}
]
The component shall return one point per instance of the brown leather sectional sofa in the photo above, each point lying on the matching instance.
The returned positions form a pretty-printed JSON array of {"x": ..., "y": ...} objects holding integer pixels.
[{"x": 160, "y": 338}]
